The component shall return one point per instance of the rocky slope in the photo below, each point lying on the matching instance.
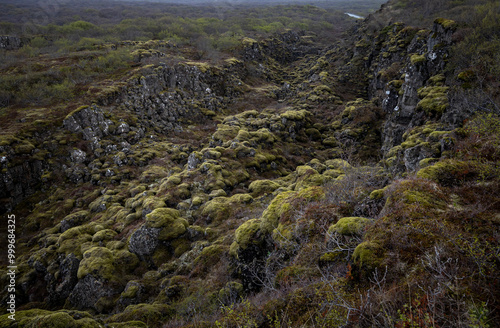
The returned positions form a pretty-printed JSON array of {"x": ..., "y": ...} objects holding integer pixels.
[{"x": 194, "y": 194}]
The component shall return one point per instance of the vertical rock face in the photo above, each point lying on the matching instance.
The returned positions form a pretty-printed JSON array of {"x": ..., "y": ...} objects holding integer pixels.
[
  {"x": 10, "y": 42},
  {"x": 18, "y": 182},
  {"x": 410, "y": 69},
  {"x": 59, "y": 289},
  {"x": 89, "y": 121}
]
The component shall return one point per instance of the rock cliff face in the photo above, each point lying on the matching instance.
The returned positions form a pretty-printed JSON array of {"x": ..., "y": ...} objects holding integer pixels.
[
  {"x": 18, "y": 182},
  {"x": 406, "y": 80},
  {"x": 10, "y": 42},
  {"x": 426, "y": 58}
]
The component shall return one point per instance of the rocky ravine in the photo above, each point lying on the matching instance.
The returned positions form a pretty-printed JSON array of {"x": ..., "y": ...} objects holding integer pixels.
[{"x": 144, "y": 197}]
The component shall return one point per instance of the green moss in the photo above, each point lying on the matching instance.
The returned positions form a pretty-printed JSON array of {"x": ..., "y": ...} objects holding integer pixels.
[
  {"x": 282, "y": 204},
  {"x": 296, "y": 115},
  {"x": 173, "y": 230},
  {"x": 260, "y": 187},
  {"x": 333, "y": 174},
  {"x": 153, "y": 173},
  {"x": 198, "y": 200},
  {"x": 378, "y": 193},
  {"x": 225, "y": 132},
  {"x": 103, "y": 235},
  {"x": 217, "y": 209},
  {"x": 53, "y": 320},
  {"x": 396, "y": 84},
  {"x": 305, "y": 170},
  {"x": 451, "y": 172},
  {"x": 331, "y": 257},
  {"x": 173, "y": 180},
  {"x": 211, "y": 153},
  {"x": 434, "y": 100},
  {"x": 349, "y": 226},
  {"x": 241, "y": 198},
  {"x": 7, "y": 140},
  {"x": 417, "y": 59},
  {"x": 152, "y": 314},
  {"x": 87, "y": 323},
  {"x": 180, "y": 245},
  {"x": 427, "y": 162},
  {"x": 231, "y": 291},
  {"x": 24, "y": 147},
  {"x": 125, "y": 261},
  {"x": 115, "y": 245},
  {"x": 275, "y": 210},
  {"x": 233, "y": 60},
  {"x": 263, "y": 136},
  {"x": 128, "y": 324},
  {"x": 77, "y": 218},
  {"x": 217, "y": 193},
  {"x": 367, "y": 254},
  {"x": 307, "y": 177},
  {"x": 203, "y": 67},
  {"x": 182, "y": 191},
  {"x": 98, "y": 261},
  {"x": 71, "y": 240},
  {"x": 76, "y": 111},
  {"x": 245, "y": 236},
  {"x": 437, "y": 80},
  {"x": 130, "y": 292},
  {"x": 161, "y": 217},
  {"x": 466, "y": 76},
  {"x": 446, "y": 23},
  {"x": 210, "y": 255},
  {"x": 415, "y": 199},
  {"x": 243, "y": 135},
  {"x": 330, "y": 142},
  {"x": 337, "y": 164}
]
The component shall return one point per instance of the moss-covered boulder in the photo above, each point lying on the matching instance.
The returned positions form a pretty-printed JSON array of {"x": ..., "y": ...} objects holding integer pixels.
[
  {"x": 103, "y": 236},
  {"x": 221, "y": 208},
  {"x": 349, "y": 226},
  {"x": 415, "y": 198},
  {"x": 75, "y": 240},
  {"x": 368, "y": 255},
  {"x": 453, "y": 172},
  {"x": 282, "y": 205},
  {"x": 208, "y": 257},
  {"x": 217, "y": 209},
  {"x": 169, "y": 221},
  {"x": 307, "y": 177},
  {"x": 98, "y": 261},
  {"x": 161, "y": 217},
  {"x": 247, "y": 234},
  {"x": 74, "y": 219},
  {"x": 260, "y": 187}
]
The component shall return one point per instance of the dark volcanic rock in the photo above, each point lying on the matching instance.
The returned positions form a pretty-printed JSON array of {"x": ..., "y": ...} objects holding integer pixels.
[{"x": 88, "y": 291}]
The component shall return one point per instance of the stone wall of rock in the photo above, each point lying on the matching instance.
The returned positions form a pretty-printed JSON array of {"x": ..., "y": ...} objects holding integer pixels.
[
  {"x": 10, "y": 42},
  {"x": 18, "y": 181},
  {"x": 401, "y": 73}
]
